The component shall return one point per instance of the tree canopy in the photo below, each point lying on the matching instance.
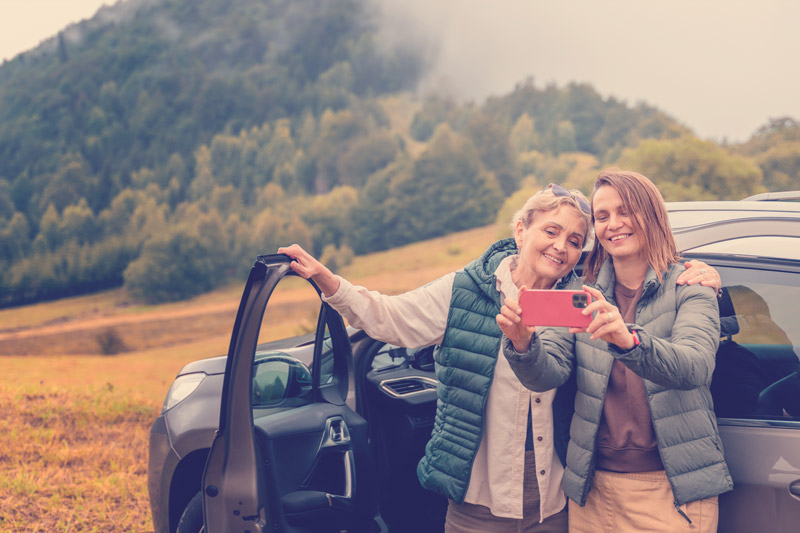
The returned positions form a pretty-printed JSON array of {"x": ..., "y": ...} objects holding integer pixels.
[{"x": 163, "y": 145}]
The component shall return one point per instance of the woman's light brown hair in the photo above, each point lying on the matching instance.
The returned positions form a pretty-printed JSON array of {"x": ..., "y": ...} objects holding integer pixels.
[{"x": 641, "y": 199}]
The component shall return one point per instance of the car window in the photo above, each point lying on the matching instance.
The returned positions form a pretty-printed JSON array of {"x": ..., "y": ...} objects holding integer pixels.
[
  {"x": 326, "y": 365},
  {"x": 292, "y": 311},
  {"x": 757, "y": 371},
  {"x": 282, "y": 370}
]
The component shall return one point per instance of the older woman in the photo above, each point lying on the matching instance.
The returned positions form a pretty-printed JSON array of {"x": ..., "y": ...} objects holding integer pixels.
[
  {"x": 497, "y": 449},
  {"x": 644, "y": 453}
]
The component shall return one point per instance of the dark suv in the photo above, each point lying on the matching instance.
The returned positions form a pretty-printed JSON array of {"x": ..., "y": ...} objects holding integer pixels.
[{"x": 322, "y": 431}]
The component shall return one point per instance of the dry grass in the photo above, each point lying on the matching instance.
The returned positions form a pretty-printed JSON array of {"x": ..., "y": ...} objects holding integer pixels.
[
  {"x": 74, "y": 423},
  {"x": 73, "y": 460}
]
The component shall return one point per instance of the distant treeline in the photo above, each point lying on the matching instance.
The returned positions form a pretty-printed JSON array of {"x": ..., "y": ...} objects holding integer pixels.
[{"x": 164, "y": 144}]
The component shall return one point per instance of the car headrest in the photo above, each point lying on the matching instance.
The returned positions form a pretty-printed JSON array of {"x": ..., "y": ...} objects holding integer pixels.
[{"x": 729, "y": 325}]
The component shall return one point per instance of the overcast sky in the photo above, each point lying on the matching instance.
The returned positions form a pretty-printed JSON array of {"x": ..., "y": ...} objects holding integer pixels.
[
  {"x": 26, "y": 23},
  {"x": 721, "y": 67}
]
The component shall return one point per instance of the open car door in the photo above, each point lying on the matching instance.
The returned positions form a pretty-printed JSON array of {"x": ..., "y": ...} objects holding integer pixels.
[{"x": 290, "y": 454}]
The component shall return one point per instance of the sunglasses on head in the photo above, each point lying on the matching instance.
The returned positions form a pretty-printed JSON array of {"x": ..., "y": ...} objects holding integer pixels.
[{"x": 558, "y": 190}]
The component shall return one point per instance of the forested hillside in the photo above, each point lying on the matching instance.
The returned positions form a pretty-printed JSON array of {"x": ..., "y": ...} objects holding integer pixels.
[{"x": 164, "y": 143}]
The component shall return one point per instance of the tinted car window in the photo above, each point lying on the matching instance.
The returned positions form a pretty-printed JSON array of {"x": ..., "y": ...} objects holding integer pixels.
[
  {"x": 282, "y": 379},
  {"x": 758, "y": 363},
  {"x": 326, "y": 367}
]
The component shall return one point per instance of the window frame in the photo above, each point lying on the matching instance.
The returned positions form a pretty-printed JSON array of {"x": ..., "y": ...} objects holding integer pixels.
[{"x": 764, "y": 267}]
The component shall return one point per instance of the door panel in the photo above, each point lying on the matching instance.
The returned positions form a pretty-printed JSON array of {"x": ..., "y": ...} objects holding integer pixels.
[
  {"x": 764, "y": 463},
  {"x": 315, "y": 461},
  {"x": 289, "y": 455}
]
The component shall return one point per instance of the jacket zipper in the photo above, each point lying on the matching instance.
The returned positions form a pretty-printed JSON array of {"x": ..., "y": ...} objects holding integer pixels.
[{"x": 682, "y": 513}]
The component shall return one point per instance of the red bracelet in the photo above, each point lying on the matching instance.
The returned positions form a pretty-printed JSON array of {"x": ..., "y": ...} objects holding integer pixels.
[{"x": 636, "y": 341}]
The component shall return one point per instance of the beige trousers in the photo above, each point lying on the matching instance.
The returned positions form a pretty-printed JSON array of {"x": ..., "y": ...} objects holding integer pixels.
[
  {"x": 470, "y": 518},
  {"x": 637, "y": 503}
]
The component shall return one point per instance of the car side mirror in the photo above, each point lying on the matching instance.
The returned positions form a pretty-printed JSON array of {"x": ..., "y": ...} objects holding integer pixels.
[{"x": 277, "y": 378}]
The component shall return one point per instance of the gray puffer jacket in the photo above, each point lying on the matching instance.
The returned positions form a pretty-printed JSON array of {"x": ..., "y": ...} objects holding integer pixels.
[{"x": 678, "y": 328}]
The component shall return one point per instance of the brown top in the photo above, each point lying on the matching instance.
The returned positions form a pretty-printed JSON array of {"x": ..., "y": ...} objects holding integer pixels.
[{"x": 626, "y": 441}]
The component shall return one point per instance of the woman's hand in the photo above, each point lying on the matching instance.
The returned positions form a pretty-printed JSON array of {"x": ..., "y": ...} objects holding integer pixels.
[
  {"x": 510, "y": 322},
  {"x": 607, "y": 324},
  {"x": 699, "y": 272},
  {"x": 307, "y": 267}
]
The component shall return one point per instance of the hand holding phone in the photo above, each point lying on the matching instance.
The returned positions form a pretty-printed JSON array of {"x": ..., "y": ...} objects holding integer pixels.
[{"x": 555, "y": 308}]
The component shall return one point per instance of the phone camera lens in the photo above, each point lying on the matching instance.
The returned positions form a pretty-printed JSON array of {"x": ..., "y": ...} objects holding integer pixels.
[{"x": 579, "y": 300}]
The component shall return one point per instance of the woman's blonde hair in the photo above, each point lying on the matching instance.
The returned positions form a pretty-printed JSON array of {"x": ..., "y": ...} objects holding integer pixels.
[
  {"x": 546, "y": 200},
  {"x": 641, "y": 198}
]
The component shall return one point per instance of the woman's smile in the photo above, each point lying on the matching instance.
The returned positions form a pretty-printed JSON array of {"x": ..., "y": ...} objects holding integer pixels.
[
  {"x": 618, "y": 238},
  {"x": 553, "y": 258}
]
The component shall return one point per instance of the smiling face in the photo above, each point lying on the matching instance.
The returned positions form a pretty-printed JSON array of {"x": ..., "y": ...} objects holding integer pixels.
[
  {"x": 614, "y": 225},
  {"x": 550, "y": 247},
  {"x": 630, "y": 221}
]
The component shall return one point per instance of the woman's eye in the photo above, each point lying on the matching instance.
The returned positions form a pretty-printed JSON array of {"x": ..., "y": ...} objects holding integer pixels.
[
  {"x": 550, "y": 232},
  {"x": 576, "y": 244}
]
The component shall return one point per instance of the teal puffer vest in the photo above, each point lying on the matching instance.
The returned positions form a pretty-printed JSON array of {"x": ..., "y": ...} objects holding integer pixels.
[{"x": 465, "y": 368}]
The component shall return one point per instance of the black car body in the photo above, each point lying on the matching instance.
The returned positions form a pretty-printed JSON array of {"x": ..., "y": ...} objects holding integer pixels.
[{"x": 323, "y": 431}]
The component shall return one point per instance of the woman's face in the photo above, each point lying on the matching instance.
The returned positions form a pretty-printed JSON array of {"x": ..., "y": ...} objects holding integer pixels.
[
  {"x": 613, "y": 225},
  {"x": 550, "y": 247}
]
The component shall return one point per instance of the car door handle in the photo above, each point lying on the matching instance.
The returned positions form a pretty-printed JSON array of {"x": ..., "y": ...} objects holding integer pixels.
[
  {"x": 349, "y": 474},
  {"x": 337, "y": 436},
  {"x": 794, "y": 488},
  {"x": 336, "y": 433}
]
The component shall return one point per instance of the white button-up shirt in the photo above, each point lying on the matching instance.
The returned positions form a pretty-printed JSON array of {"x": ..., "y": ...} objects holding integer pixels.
[{"x": 418, "y": 318}]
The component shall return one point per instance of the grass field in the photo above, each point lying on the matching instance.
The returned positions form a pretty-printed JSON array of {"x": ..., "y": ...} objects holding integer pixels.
[{"x": 74, "y": 423}]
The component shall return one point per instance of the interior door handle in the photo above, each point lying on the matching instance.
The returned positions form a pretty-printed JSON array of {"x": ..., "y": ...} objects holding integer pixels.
[
  {"x": 794, "y": 488},
  {"x": 336, "y": 433}
]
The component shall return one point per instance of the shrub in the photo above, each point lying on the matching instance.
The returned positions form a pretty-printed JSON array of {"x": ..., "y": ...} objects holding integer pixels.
[{"x": 110, "y": 342}]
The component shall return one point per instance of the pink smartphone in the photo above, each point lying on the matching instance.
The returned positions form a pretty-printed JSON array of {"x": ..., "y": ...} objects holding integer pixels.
[{"x": 555, "y": 308}]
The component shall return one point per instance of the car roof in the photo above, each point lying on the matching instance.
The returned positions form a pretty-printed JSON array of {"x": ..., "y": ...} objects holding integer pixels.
[
  {"x": 683, "y": 214},
  {"x": 753, "y": 228}
]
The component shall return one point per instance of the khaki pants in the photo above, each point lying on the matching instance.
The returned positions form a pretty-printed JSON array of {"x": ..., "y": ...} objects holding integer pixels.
[
  {"x": 470, "y": 518},
  {"x": 639, "y": 502}
]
